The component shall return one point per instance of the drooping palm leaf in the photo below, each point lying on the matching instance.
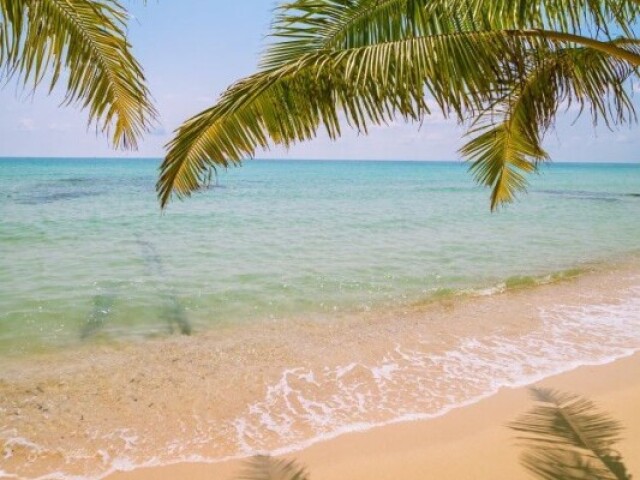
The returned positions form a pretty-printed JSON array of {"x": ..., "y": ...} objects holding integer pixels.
[
  {"x": 82, "y": 43},
  {"x": 267, "y": 468},
  {"x": 502, "y": 154},
  {"x": 359, "y": 86},
  {"x": 508, "y": 141},
  {"x": 351, "y": 23},
  {"x": 567, "y": 438},
  {"x": 365, "y": 61}
]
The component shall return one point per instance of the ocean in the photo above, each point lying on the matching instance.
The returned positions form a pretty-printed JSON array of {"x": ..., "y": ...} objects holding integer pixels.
[
  {"x": 293, "y": 300},
  {"x": 88, "y": 254}
]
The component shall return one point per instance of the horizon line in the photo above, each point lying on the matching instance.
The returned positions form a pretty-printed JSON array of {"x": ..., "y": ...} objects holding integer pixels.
[{"x": 364, "y": 160}]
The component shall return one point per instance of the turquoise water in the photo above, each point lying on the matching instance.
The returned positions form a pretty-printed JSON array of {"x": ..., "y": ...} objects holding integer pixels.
[{"x": 88, "y": 257}]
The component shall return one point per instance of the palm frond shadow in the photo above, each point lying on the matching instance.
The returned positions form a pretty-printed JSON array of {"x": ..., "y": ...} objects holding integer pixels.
[
  {"x": 263, "y": 467},
  {"x": 566, "y": 437}
]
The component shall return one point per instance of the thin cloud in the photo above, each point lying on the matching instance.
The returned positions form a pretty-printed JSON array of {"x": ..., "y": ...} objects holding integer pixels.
[
  {"x": 26, "y": 124},
  {"x": 59, "y": 127}
]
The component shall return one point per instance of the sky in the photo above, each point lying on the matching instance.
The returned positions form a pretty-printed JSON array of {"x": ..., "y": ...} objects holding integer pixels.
[{"x": 191, "y": 50}]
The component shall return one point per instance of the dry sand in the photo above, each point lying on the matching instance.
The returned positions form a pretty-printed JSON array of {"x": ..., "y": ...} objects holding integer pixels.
[{"x": 468, "y": 443}]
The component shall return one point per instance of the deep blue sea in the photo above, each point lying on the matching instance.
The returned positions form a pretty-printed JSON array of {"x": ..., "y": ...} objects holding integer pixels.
[{"x": 87, "y": 255}]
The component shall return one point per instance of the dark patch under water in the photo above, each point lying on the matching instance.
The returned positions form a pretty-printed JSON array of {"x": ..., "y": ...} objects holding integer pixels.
[
  {"x": 588, "y": 195},
  {"x": 102, "y": 308},
  {"x": 76, "y": 180},
  {"x": 74, "y": 188},
  {"x": 44, "y": 198},
  {"x": 174, "y": 312}
]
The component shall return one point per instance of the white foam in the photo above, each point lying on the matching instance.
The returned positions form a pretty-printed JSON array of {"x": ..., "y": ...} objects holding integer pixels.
[
  {"x": 400, "y": 388},
  {"x": 4, "y": 474},
  {"x": 13, "y": 441}
]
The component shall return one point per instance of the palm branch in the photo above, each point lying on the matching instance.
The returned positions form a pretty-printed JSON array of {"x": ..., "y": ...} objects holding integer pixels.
[
  {"x": 507, "y": 142},
  {"x": 567, "y": 438},
  {"x": 362, "y": 62},
  {"x": 264, "y": 467},
  {"x": 86, "y": 40}
]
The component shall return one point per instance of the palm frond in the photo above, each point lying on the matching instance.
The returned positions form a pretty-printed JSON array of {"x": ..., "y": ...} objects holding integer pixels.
[
  {"x": 86, "y": 40},
  {"x": 301, "y": 25},
  {"x": 267, "y": 468},
  {"x": 507, "y": 145},
  {"x": 360, "y": 86},
  {"x": 567, "y": 438},
  {"x": 502, "y": 155},
  {"x": 362, "y": 62}
]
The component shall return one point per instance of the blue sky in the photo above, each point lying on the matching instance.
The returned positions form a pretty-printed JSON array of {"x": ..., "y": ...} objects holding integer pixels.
[{"x": 192, "y": 49}]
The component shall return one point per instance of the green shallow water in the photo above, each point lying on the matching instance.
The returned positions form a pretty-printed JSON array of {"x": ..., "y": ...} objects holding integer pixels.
[{"x": 87, "y": 256}]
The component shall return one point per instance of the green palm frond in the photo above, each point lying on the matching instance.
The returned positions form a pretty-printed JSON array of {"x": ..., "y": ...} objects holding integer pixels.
[
  {"x": 358, "y": 86},
  {"x": 303, "y": 24},
  {"x": 82, "y": 43},
  {"x": 507, "y": 144},
  {"x": 362, "y": 62},
  {"x": 567, "y": 438},
  {"x": 502, "y": 154},
  {"x": 267, "y": 468}
]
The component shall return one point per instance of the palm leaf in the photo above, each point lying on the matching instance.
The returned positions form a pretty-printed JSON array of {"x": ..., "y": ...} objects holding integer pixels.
[
  {"x": 567, "y": 438},
  {"x": 303, "y": 24},
  {"x": 363, "y": 86},
  {"x": 86, "y": 39},
  {"x": 504, "y": 150},
  {"x": 501, "y": 156},
  {"x": 363, "y": 62},
  {"x": 267, "y": 468}
]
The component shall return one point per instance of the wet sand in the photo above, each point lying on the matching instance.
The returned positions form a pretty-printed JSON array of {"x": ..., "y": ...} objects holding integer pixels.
[{"x": 468, "y": 443}]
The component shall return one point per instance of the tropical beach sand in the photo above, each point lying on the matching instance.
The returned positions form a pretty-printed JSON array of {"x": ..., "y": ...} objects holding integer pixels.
[{"x": 467, "y": 443}]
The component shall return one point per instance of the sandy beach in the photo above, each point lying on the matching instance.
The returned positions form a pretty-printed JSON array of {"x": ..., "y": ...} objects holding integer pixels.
[
  {"x": 442, "y": 378},
  {"x": 468, "y": 443}
]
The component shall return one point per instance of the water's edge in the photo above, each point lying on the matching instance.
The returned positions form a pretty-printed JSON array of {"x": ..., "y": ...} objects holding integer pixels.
[{"x": 229, "y": 394}]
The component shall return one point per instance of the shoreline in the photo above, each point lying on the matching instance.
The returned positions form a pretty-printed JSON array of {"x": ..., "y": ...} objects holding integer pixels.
[
  {"x": 437, "y": 298},
  {"x": 475, "y": 433},
  {"x": 229, "y": 394}
]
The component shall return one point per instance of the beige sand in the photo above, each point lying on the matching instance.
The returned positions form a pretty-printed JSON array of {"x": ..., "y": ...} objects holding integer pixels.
[{"x": 468, "y": 443}]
